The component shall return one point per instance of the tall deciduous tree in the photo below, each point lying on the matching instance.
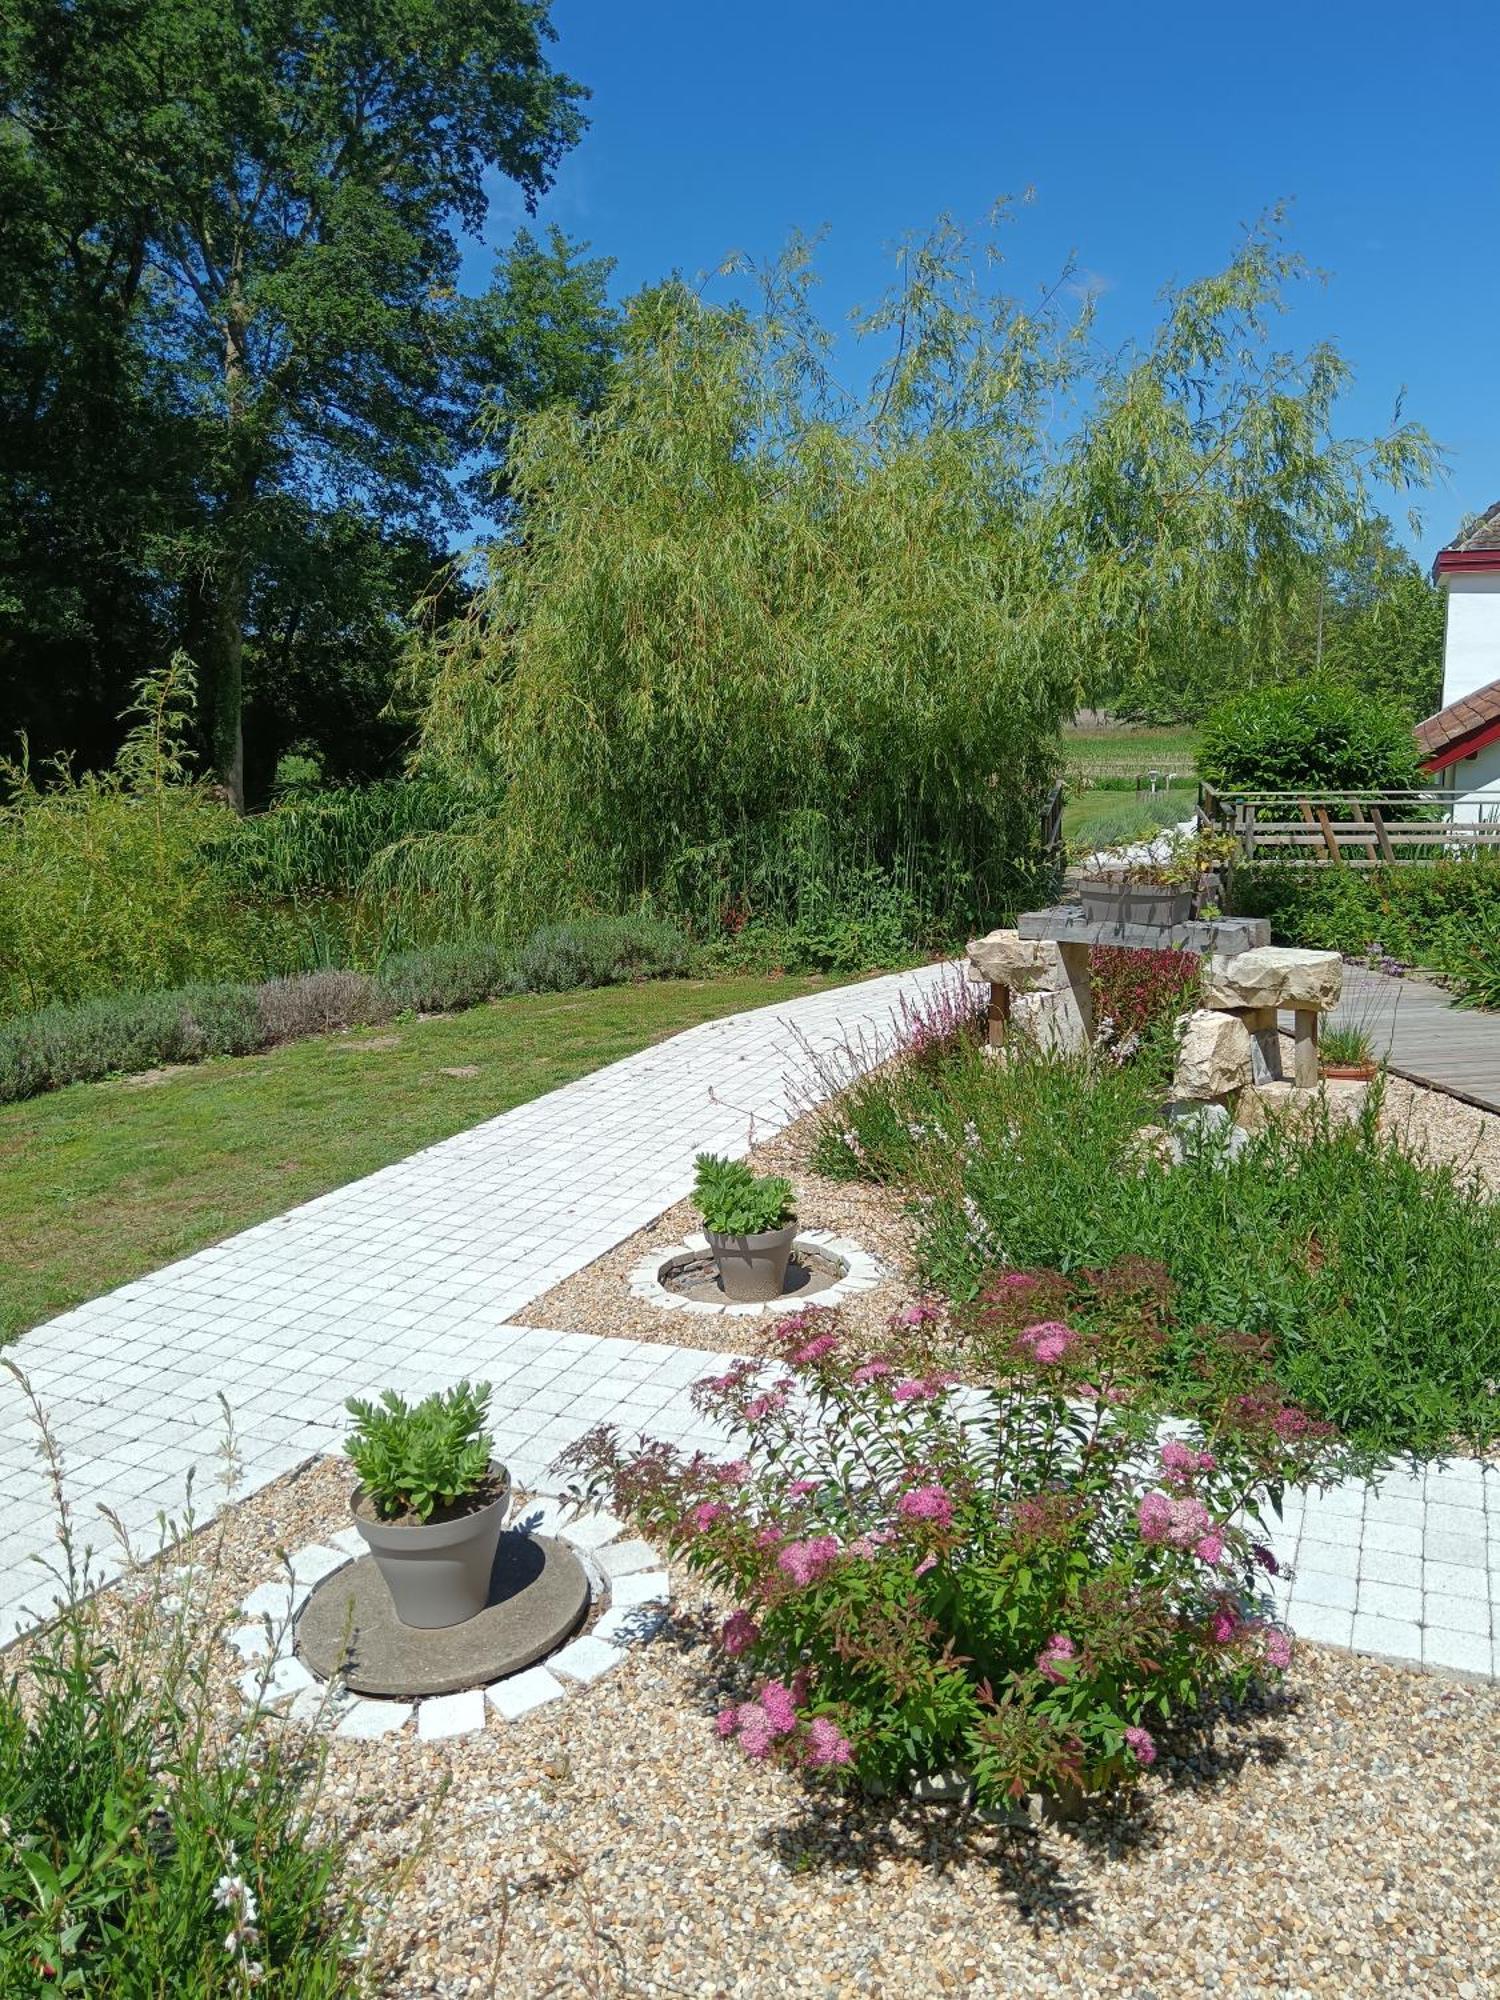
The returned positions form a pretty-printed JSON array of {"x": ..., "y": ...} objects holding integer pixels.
[{"x": 271, "y": 190}]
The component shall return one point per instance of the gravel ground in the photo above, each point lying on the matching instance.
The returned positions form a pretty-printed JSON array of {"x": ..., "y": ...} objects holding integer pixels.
[
  {"x": 1436, "y": 1127},
  {"x": 597, "y": 1299},
  {"x": 1341, "y": 1838}
]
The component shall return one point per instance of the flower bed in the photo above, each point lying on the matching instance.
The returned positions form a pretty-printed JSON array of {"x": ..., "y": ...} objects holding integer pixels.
[{"x": 1009, "y": 1574}]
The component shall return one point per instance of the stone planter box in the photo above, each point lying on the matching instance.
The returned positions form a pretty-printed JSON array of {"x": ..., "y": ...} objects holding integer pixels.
[{"x": 1120, "y": 900}]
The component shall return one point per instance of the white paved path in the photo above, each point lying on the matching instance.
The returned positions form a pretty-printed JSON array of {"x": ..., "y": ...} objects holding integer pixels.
[{"x": 407, "y": 1277}]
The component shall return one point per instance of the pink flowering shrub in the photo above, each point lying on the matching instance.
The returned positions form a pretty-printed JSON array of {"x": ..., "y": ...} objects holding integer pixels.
[{"x": 1014, "y": 1572}]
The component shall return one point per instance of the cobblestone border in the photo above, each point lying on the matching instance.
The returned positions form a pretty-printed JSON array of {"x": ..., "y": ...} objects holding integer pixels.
[
  {"x": 628, "y": 1571},
  {"x": 862, "y": 1274}
]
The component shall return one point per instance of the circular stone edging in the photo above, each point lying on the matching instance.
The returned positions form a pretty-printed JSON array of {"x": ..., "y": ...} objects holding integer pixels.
[
  {"x": 862, "y": 1274},
  {"x": 277, "y": 1682}
]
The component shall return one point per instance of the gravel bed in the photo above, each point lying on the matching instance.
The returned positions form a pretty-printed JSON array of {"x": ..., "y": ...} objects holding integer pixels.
[
  {"x": 597, "y": 1299},
  {"x": 1342, "y": 1837},
  {"x": 1433, "y": 1126}
]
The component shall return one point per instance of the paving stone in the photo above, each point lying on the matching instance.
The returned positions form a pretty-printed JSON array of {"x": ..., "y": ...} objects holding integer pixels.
[
  {"x": 276, "y": 1601},
  {"x": 1461, "y": 1652},
  {"x": 652, "y": 1586},
  {"x": 522, "y": 1693},
  {"x": 287, "y": 1677},
  {"x": 444, "y": 1715},
  {"x": 251, "y": 1642},
  {"x": 586, "y": 1660},
  {"x": 591, "y": 1531},
  {"x": 364, "y": 1720},
  {"x": 1333, "y": 1590},
  {"x": 349, "y": 1541},
  {"x": 620, "y": 1558},
  {"x": 629, "y": 1624},
  {"x": 1457, "y": 1614},
  {"x": 1392, "y": 1638},
  {"x": 312, "y": 1564},
  {"x": 1321, "y": 1624}
]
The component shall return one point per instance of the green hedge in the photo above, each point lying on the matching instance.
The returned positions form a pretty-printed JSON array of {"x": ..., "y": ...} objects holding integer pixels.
[
  {"x": 1444, "y": 917},
  {"x": 1307, "y": 733},
  {"x": 130, "y": 1032}
]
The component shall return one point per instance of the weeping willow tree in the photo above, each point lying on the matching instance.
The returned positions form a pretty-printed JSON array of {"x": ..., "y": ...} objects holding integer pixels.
[{"x": 762, "y": 643}]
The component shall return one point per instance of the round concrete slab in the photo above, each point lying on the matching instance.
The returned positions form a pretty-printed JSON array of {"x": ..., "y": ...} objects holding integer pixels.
[
  {"x": 538, "y": 1596},
  {"x": 809, "y": 1272}
]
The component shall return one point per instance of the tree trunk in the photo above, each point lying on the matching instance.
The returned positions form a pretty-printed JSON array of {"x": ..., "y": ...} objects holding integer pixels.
[{"x": 226, "y": 636}]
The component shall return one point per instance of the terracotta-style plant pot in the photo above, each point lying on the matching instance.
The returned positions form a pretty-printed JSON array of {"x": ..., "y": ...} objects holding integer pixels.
[
  {"x": 752, "y": 1269},
  {"x": 438, "y": 1571},
  {"x": 1119, "y": 899},
  {"x": 1348, "y": 1072}
]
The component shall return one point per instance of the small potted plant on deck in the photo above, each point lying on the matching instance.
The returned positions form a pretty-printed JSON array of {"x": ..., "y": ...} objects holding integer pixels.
[
  {"x": 750, "y": 1225},
  {"x": 431, "y": 1500},
  {"x": 1345, "y": 1054}
]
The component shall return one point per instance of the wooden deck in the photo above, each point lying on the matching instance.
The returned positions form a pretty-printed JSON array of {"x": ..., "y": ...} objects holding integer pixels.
[{"x": 1417, "y": 1029}]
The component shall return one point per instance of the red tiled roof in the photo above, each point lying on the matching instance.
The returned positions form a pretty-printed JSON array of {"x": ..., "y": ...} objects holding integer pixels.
[
  {"x": 1444, "y": 737},
  {"x": 1484, "y": 534}
]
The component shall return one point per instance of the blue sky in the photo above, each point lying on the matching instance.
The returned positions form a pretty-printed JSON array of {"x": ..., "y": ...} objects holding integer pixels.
[{"x": 1150, "y": 134}]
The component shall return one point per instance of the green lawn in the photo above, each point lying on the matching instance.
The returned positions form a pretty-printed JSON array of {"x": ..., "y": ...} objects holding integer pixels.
[
  {"x": 104, "y": 1181},
  {"x": 1108, "y": 819}
]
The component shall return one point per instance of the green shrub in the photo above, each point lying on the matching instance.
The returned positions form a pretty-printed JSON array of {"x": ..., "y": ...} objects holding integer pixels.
[
  {"x": 600, "y": 951},
  {"x": 444, "y": 978},
  {"x": 735, "y": 1202},
  {"x": 1443, "y": 915},
  {"x": 136, "y": 1031},
  {"x": 1308, "y": 735},
  {"x": 413, "y": 1458},
  {"x": 928, "y": 1575},
  {"x": 1375, "y": 1276},
  {"x": 145, "y": 1847}
]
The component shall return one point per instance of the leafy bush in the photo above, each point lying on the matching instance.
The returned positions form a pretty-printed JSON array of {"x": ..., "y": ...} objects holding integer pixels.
[
  {"x": 600, "y": 951},
  {"x": 1444, "y": 916},
  {"x": 98, "y": 1038},
  {"x": 1006, "y": 1576},
  {"x": 735, "y": 1202},
  {"x": 1136, "y": 990},
  {"x": 444, "y": 978},
  {"x": 1308, "y": 735},
  {"x": 1375, "y": 1275},
  {"x": 416, "y": 1458},
  {"x": 146, "y": 1847}
]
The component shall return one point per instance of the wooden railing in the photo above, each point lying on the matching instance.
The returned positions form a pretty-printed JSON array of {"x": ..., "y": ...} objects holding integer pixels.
[{"x": 1374, "y": 829}]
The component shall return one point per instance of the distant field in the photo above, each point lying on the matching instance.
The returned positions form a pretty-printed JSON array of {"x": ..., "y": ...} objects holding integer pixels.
[{"x": 1125, "y": 750}]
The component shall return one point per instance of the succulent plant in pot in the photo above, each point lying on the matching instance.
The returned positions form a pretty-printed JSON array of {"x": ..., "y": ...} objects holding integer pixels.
[
  {"x": 750, "y": 1224},
  {"x": 431, "y": 1499}
]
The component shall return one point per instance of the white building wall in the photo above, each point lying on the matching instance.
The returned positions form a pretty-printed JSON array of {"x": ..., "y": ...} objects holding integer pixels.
[
  {"x": 1475, "y": 783},
  {"x": 1471, "y": 641}
]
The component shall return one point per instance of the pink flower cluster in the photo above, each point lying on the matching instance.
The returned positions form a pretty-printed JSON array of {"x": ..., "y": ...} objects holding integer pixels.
[
  {"x": 1054, "y": 1661},
  {"x": 817, "y": 1349},
  {"x": 767, "y": 1404},
  {"x": 1181, "y": 1522},
  {"x": 804, "y": 1562},
  {"x": 919, "y": 1313},
  {"x": 1047, "y": 1342},
  {"x": 869, "y": 1546},
  {"x": 1180, "y": 1462},
  {"x": 922, "y": 1389},
  {"x": 1278, "y": 1647},
  {"x": 739, "y": 1634},
  {"x": 926, "y": 1503},
  {"x": 772, "y": 1719},
  {"x": 1015, "y": 1281},
  {"x": 1143, "y": 1744},
  {"x": 870, "y": 1371},
  {"x": 706, "y": 1513}
]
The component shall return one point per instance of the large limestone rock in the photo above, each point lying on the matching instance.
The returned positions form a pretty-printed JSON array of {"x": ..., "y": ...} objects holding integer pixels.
[
  {"x": 1053, "y": 1021},
  {"x": 1301, "y": 1110},
  {"x": 1213, "y": 1055},
  {"x": 1026, "y": 965},
  {"x": 1274, "y": 975}
]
